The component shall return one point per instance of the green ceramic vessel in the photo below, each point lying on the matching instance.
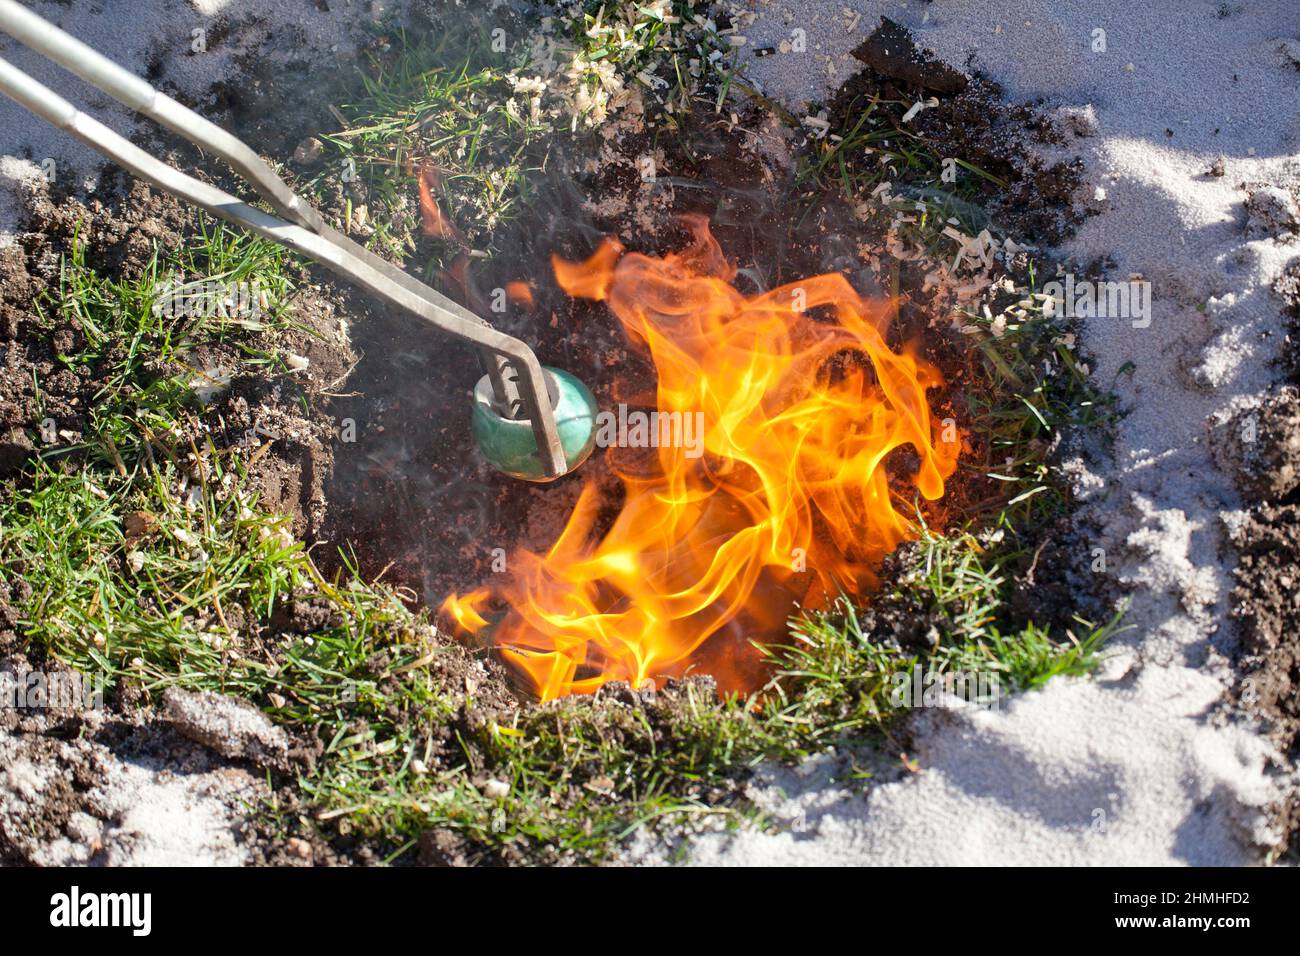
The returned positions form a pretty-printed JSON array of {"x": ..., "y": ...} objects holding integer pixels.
[{"x": 509, "y": 445}]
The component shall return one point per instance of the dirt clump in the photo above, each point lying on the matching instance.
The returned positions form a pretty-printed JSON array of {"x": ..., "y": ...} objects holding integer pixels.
[
  {"x": 230, "y": 726},
  {"x": 1261, "y": 448},
  {"x": 1271, "y": 211},
  {"x": 890, "y": 52},
  {"x": 1023, "y": 193}
]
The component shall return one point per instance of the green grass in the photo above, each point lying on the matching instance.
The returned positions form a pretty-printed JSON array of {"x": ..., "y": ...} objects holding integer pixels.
[
  {"x": 1030, "y": 386},
  {"x": 416, "y": 108},
  {"x": 149, "y": 355},
  {"x": 451, "y": 99},
  {"x": 837, "y": 680},
  {"x": 877, "y": 149},
  {"x": 190, "y": 604}
]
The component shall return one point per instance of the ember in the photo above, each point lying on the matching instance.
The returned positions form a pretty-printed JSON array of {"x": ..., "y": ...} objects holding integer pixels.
[{"x": 788, "y": 506}]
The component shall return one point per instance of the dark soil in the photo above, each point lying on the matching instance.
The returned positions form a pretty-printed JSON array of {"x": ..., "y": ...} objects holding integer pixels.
[
  {"x": 117, "y": 241},
  {"x": 1268, "y": 576},
  {"x": 974, "y": 122}
]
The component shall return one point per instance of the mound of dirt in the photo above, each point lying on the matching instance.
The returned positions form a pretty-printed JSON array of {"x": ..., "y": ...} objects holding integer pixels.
[
  {"x": 230, "y": 726},
  {"x": 1268, "y": 576}
]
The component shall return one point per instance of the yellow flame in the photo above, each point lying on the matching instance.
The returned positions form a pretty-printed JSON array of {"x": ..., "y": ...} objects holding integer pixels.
[{"x": 789, "y": 503}]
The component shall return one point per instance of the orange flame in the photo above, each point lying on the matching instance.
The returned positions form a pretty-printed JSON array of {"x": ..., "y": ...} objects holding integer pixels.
[
  {"x": 520, "y": 293},
  {"x": 434, "y": 220},
  {"x": 788, "y": 504}
]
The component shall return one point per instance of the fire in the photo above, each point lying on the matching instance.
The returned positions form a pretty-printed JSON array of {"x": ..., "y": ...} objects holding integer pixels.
[
  {"x": 789, "y": 504},
  {"x": 434, "y": 219}
]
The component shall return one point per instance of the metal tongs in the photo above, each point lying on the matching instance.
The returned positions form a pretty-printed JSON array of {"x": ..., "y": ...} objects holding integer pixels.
[{"x": 520, "y": 390}]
